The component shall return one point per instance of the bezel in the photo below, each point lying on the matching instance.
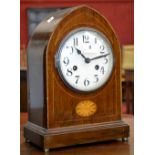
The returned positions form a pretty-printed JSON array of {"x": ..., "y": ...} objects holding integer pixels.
[{"x": 58, "y": 53}]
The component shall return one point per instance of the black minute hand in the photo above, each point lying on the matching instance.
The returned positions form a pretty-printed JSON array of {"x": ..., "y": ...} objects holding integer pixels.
[{"x": 98, "y": 57}]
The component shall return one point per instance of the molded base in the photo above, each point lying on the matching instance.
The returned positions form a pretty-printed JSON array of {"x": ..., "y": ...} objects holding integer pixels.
[{"x": 66, "y": 136}]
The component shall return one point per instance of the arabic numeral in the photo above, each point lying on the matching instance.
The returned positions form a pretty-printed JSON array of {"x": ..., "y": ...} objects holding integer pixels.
[
  {"x": 105, "y": 60},
  {"x": 102, "y": 70},
  {"x": 85, "y": 39},
  {"x": 69, "y": 72},
  {"x": 75, "y": 41},
  {"x": 96, "y": 78},
  {"x": 71, "y": 49},
  {"x": 66, "y": 61},
  {"x": 77, "y": 79},
  {"x": 86, "y": 82},
  {"x": 102, "y": 49}
]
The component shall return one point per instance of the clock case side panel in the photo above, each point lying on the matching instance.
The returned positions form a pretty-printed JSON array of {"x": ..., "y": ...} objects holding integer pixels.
[
  {"x": 35, "y": 77},
  {"x": 36, "y": 51},
  {"x": 60, "y": 96}
]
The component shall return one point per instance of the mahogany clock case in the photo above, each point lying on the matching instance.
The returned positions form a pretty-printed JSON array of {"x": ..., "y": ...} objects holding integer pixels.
[{"x": 52, "y": 118}]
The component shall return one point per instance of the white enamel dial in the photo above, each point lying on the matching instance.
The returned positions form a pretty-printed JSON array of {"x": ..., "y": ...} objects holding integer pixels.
[{"x": 85, "y": 59}]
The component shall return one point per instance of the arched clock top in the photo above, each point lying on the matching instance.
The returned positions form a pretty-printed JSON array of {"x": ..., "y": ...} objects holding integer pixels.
[{"x": 81, "y": 17}]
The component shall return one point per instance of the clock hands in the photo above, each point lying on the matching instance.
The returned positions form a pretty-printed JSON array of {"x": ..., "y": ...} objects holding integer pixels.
[
  {"x": 88, "y": 60},
  {"x": 100, "y": 56},
  {"x": 79, "y": 52}
]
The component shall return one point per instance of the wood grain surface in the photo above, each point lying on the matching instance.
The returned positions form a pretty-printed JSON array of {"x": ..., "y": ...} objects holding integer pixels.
[
  {"x": 115, "y": 147},
  {"x": 53, "y": 121},
  {"x": 60, "y": 97},
  {"x": 48, "y": 96}
]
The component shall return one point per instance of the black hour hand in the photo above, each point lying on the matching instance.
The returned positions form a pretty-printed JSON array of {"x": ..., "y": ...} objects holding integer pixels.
[
  {"x": 80, "y": 53},
  {"x": 87, "y": 60}
]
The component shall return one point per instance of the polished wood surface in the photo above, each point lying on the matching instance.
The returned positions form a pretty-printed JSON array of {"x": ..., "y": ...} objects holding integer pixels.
[
  {"x": 53, "y": 121},
  {"x": 46, "y": 88},
  {"x": 115, "y": 147},
  {"x": 107, "y": 98}
]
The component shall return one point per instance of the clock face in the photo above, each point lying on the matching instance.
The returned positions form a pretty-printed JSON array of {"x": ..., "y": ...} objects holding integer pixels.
[{"x": 85, "y": 59}]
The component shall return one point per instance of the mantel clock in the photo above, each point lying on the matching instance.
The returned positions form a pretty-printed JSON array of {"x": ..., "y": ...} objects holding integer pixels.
[{"x": 74, "y": 80}]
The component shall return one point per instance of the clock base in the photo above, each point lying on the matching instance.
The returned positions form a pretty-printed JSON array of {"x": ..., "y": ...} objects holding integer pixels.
[{"x": 81, "y": 134}]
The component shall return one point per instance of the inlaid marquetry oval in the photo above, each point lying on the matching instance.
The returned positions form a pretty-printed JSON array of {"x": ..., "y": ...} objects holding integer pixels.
[{"x": 86, "y": 108}]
